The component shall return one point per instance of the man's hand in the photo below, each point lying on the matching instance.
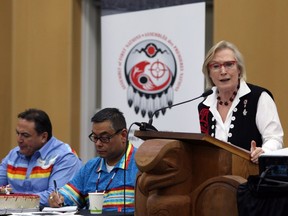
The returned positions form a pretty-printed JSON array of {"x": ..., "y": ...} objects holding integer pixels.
[{"x": 55, "y": 200}]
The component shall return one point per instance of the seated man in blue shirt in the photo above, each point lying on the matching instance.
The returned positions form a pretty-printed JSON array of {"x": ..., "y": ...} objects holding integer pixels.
[
  {"x": 104, "y": 173},
  {"x": 39, "y": 158}
]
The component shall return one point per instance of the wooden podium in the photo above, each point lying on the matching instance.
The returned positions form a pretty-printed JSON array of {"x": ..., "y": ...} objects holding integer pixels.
[{"x": 188, "y": 174}]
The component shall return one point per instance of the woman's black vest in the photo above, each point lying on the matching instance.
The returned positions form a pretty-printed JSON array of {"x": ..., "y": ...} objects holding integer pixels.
[{"x": 243, "y": 128}]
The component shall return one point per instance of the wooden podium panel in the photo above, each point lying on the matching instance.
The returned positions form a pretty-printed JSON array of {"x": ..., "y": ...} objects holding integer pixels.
[{"x": 175, "y": 165}]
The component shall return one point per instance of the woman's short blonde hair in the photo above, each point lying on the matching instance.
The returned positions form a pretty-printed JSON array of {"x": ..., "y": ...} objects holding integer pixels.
[{"x": 210, "y": 55}]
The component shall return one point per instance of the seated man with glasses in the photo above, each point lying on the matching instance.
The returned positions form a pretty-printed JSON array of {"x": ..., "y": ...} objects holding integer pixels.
[{"x": 112, "y": 172}]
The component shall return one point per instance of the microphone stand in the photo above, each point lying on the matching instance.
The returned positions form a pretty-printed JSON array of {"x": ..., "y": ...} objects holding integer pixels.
[
  {"x": 144, "y": 126},
  {"x": 125, "y": 157}
]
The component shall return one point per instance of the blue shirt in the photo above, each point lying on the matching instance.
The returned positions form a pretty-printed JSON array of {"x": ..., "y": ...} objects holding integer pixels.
[
  {"x": 35, "y": 174},
  {"x": 85, "y": 181}
]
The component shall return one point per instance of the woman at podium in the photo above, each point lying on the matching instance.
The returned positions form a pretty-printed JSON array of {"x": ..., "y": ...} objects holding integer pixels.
[{"x": 238, "y": 112}]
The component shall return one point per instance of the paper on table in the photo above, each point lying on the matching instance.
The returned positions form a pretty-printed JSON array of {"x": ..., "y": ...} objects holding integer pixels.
[
  {"x": 36, "y": 213},
  {"x": 61, "y": 209},
  {"x": 43, "y": 213}
]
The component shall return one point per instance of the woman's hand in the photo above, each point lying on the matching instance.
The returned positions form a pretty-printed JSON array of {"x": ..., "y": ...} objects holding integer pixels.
[{"x": 255, "y": 152}]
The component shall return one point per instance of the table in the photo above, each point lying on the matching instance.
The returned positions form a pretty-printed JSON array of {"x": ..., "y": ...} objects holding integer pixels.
[{"x": 86, "y": 212}]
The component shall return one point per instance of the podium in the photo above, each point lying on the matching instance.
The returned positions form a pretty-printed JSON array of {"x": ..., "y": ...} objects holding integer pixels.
[{"x": 188, "y": 174}]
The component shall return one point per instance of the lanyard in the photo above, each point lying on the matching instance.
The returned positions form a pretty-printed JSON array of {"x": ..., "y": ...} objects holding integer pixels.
[{"x": 111, "y": 179}]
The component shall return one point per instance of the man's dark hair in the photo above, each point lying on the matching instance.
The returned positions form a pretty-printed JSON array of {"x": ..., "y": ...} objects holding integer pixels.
[
  {"x": 112, "y": 114},
  {"x": 41, "y": 120}
]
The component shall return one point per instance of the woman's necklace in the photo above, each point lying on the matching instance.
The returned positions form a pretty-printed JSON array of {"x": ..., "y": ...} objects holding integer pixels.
[{"x": 231, "y": 99}]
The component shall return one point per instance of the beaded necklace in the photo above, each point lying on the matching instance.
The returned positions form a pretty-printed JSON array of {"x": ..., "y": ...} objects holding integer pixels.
[{"x": 231, "y": 99}]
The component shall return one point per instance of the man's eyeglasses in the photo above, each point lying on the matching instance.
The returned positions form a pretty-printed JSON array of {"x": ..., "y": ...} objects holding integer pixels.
[
  {"x": 103, "y": 139},
  {"x": 215, "y": 66}
]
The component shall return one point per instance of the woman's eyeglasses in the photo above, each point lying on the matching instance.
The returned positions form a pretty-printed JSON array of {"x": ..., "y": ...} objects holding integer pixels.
[{"x": 216, "y": 67}]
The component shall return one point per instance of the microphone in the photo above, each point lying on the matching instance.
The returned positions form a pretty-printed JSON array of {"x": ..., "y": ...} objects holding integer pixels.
[{"x": 144, "y": 126}]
